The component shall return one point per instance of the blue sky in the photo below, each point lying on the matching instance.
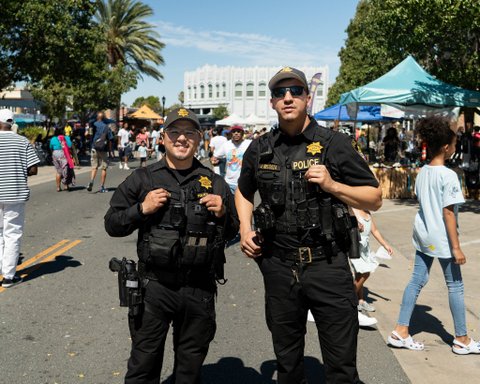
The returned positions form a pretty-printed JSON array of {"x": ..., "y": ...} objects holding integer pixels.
[{"x": 244, "y": 33}]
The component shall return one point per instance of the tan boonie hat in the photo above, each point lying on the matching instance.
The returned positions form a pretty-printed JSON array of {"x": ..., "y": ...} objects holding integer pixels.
[
  {"x": 181, "y": 114},
  {"x": 288, "y": 73}
]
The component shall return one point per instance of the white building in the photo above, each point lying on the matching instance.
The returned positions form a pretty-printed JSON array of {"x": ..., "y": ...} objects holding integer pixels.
[{"x": 244, "y": 91}]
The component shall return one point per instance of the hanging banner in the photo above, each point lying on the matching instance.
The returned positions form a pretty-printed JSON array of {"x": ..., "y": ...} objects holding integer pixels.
[{"x": 314, "y": 83}]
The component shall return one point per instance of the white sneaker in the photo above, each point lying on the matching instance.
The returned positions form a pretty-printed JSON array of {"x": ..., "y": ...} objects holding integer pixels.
[
  {"x": 365, "y": 321},
  {"x": 126, "y": 167},
  {"x": 120, "y": 165},
  {"x": 310, "y": 317},
  {"x": 364, "y": 306}
]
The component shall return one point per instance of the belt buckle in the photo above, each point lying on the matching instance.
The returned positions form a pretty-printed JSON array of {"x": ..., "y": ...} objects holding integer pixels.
[{"x": 305, "y": 254}]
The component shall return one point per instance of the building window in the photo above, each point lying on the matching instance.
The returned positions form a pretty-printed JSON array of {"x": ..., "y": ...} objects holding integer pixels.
[
  {"x": 238, "y": 89},
  {"x": 224, "y": 90},
  {"x": 210, "y": 91},
  {"x": 249, "y": 89},
  {"x": 195, "y": 92},
  {"x": 189, "y": 92},
  {"x": 262, "y": 89},
  {"x": 202, "y": 91},
  {"x": 217, "y": 88},
  {"x": 320, "y": 91}
]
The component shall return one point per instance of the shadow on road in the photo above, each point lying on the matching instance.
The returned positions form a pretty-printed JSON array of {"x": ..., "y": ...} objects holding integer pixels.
[
  {"x": 60, "y": 263},
  {"x": 422, "y": 321},
  {"x": 232, "y": 370}
]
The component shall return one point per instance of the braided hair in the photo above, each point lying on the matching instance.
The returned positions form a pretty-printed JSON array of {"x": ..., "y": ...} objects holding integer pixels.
[{"x": 435, "y": 131}]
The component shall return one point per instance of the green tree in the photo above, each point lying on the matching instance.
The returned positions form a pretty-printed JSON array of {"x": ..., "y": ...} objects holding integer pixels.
[
  {"x": 45, "y": 38},
  {"x": 152, "y": 102},
  {"x": 220, "y": 112},
  {"x": 442, "y": 35},
  {"x": 128, "y": 38}
]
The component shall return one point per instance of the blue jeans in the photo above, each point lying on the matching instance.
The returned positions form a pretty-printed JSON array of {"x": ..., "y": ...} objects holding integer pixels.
[{"x": 453, "y": 278}]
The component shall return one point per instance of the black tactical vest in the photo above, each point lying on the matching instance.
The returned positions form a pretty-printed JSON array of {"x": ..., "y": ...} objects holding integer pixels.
[
  {"x": 296, "y": 204},
  {"x": 183, "y": 233}
]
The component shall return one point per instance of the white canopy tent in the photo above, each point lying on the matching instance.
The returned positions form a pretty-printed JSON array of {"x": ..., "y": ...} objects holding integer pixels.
[
  {"x": 255, "y": 120},
  {"x": 233, "y": 119}
]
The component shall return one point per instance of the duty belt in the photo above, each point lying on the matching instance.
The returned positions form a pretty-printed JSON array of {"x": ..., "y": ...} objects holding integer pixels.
[{"x": 304, "y": 255}]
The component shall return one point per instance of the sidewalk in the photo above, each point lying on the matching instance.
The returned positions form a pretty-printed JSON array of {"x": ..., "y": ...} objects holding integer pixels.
[
  {"x": 431, "y": 321},
  {"x": 46, "y": 173}
]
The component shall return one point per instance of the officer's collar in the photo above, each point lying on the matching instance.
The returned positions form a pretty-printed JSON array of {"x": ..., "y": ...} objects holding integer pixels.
[
  {"x": 162, "y": 164},
  {"x": 308, "y": 133}
]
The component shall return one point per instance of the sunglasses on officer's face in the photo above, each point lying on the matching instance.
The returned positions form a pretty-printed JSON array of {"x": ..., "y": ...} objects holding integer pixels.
[{"x": 295, "y": 90}]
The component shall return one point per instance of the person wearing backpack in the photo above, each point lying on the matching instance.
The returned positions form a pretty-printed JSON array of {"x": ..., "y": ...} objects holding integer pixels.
[{"x": 100, "y": 142}]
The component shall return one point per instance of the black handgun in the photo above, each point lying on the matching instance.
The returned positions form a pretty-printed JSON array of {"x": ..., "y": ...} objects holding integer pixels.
[{"x": 129, "y": 287}]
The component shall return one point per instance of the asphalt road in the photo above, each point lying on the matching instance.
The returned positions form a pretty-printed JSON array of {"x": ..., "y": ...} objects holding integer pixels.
[{"x": 63, "y": 323}]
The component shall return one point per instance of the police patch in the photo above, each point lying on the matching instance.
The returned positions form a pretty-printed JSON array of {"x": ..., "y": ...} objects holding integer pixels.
[
  {"x": 300, "y": 165},
  {"x": 205, "y": 182},
  {"x": 314, "y": 148},
  {"x": 270, "y": 167}
]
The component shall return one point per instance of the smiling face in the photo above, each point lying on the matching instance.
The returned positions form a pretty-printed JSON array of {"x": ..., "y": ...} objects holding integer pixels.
[
  {"x": 181, "y": 140},
  {"x": 290, "y": 108},
  {"x": 237, "y": 136}
]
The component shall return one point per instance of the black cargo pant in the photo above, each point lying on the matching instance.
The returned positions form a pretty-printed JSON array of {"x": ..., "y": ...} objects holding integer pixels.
[
  {"x": 192, "y": 314},
  {"x": 326, "y": 288}
]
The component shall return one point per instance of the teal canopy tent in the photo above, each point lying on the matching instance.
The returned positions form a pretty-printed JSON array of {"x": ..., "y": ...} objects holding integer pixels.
[{"x": 409, "y": 84}]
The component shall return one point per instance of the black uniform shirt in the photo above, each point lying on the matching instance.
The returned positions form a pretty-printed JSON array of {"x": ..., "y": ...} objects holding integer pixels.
[{"x": 343, "y": 162}]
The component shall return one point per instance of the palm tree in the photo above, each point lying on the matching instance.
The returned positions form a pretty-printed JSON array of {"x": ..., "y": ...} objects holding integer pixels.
[{"x": 129, "y": 39}]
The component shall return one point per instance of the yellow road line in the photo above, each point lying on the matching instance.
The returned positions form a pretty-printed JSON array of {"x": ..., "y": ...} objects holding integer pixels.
[
  {"x": 38, "y": 256},
  {"x": 27, "y": 271},
  {"x": 49, "y": 258}
]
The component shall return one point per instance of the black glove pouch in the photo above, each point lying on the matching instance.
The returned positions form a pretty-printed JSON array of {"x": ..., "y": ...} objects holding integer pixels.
[{"x": 163, "y": 248}]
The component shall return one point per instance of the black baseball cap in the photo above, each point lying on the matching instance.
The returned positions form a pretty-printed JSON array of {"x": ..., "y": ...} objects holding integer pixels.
[
  {"x": 288, "y": 73},
  {"x": 181, "y": 114}
]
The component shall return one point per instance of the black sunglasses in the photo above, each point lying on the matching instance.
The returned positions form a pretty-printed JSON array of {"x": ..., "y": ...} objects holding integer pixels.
[{"x": 295, "y": 90}]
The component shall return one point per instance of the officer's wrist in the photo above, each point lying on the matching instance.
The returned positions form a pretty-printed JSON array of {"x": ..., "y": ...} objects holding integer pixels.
[{"x": 140, "y": 209}]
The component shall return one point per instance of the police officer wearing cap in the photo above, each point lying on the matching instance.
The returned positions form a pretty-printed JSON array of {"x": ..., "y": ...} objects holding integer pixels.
[
  {"x": 307, "y": 176},
  {"x": 184, "y": 214}
]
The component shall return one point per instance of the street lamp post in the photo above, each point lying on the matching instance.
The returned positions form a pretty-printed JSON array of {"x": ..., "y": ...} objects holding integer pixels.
[{"x": 163, "y": 106}]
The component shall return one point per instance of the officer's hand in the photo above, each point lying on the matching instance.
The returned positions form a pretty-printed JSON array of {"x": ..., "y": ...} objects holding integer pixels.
[
  {"x": 155, "y": 200},
  {"x": 214, "y": 203},
  {"x": 214, "y": 160},
  {"x": 250, "y": 244},
  {"x": 319, "y": 174}
]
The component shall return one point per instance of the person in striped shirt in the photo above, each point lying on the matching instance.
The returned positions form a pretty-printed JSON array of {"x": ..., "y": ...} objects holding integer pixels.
[{"x": 18, "y": 160}]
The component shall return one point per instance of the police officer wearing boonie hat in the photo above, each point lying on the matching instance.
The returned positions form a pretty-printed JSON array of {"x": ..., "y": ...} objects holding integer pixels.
[
  {"x": 184, "y": 214},
  {"x": 307, "y": 176}
]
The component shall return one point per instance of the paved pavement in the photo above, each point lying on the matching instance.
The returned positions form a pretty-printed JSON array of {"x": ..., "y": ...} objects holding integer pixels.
[{"x": 431, "y": 321}]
